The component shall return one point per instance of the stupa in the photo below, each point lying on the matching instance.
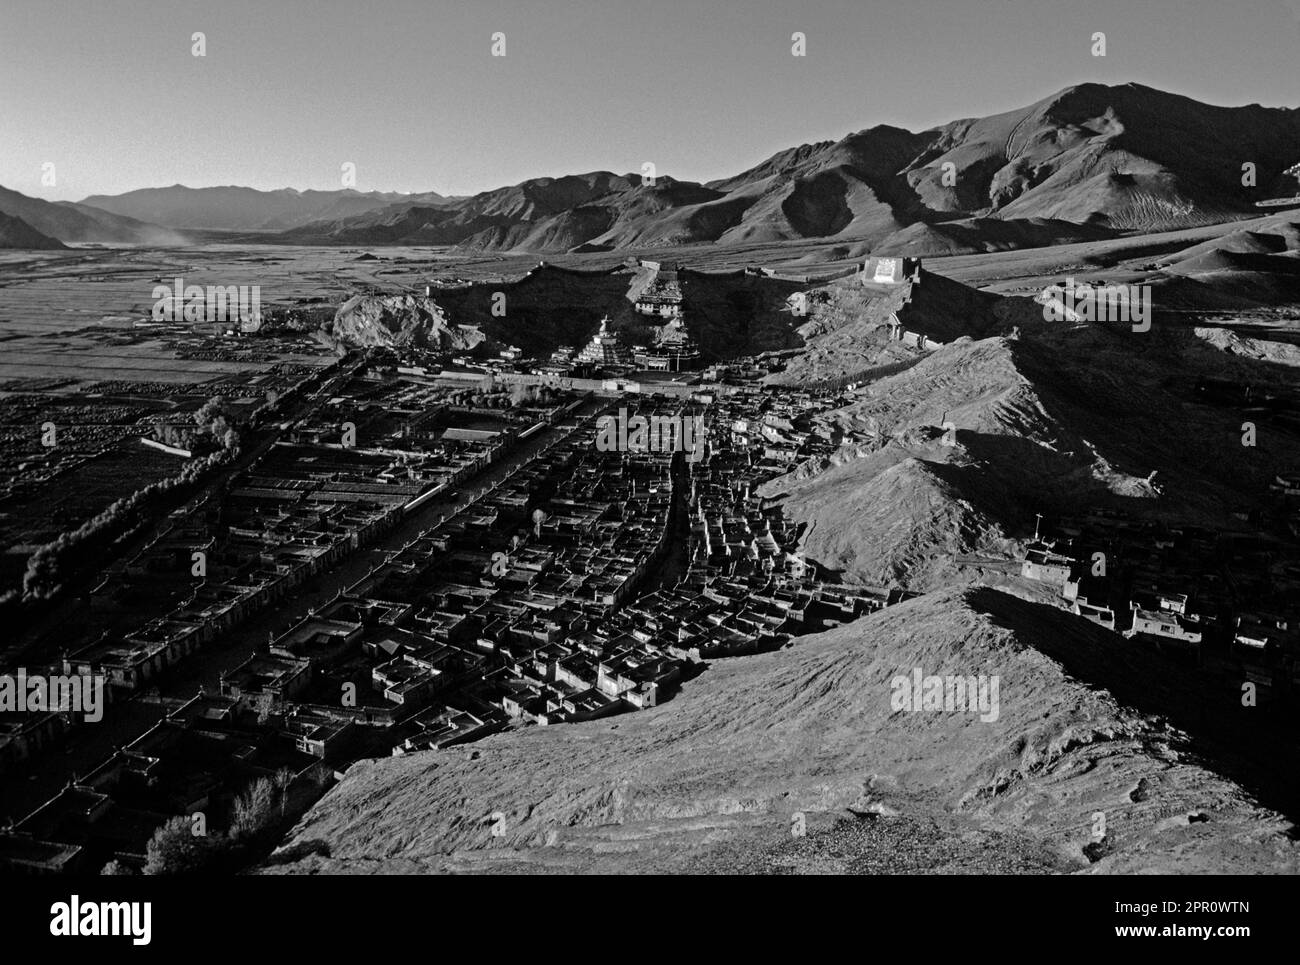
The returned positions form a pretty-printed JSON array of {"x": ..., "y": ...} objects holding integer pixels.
[{"x": 605, "y": 350}]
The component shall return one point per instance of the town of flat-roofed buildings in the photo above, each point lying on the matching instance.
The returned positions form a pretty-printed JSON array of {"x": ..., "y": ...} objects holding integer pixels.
[
  {"x": 585, "y": 583},
  {"x": 581, "y": 583}
]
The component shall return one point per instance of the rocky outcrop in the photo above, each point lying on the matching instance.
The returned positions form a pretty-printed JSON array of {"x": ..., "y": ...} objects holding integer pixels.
[{"x": 400, "y": 320}]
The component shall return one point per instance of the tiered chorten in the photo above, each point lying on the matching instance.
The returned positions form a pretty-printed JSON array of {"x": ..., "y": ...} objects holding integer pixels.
[{"x": 605, "y": 350}]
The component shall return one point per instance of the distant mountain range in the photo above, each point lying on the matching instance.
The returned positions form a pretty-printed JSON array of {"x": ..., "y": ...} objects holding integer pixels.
[
  {"x": 1087, "y": 162},
  {"x": 247, "y": 209},
  {"x": 17, "y": 233},
  {"x": 66, "y": 221}
]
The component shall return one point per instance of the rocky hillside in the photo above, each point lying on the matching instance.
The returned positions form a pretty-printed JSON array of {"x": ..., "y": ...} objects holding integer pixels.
[
  {"x": 400, "y": 320},
  {"x": 847, "y": 327},
  {"x": 716, "y": 779},
  {"x": 1064, "y": 416}
]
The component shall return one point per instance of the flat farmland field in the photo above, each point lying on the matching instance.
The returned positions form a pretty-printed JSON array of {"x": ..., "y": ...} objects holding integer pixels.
[
  {"x": 43, "y": 292},
  {"x": 85, "y": 358},
  {"x": 74, "y": 315}
]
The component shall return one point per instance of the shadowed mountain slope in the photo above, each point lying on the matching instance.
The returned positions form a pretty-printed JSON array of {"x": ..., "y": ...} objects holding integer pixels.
[{"x": 17, "y": 233}]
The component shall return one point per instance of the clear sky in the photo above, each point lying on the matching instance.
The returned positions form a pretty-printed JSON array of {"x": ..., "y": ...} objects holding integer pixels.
[{"x": 410, "y": 93}]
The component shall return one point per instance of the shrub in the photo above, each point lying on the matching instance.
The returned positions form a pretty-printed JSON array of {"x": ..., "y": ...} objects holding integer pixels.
[{"x": 175, "y": 849}]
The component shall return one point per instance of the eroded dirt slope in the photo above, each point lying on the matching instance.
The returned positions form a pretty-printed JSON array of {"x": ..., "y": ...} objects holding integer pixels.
[{"x": 713, "y": 780}]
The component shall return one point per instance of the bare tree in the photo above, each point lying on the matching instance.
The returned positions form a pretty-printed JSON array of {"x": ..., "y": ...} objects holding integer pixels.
[{"x": 283, "y": 778}]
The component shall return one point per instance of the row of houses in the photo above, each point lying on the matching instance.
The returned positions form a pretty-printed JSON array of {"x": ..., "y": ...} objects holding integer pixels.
[
  {"x": 1227, "y": 601},
  {"x": 304, "y": 506}
]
